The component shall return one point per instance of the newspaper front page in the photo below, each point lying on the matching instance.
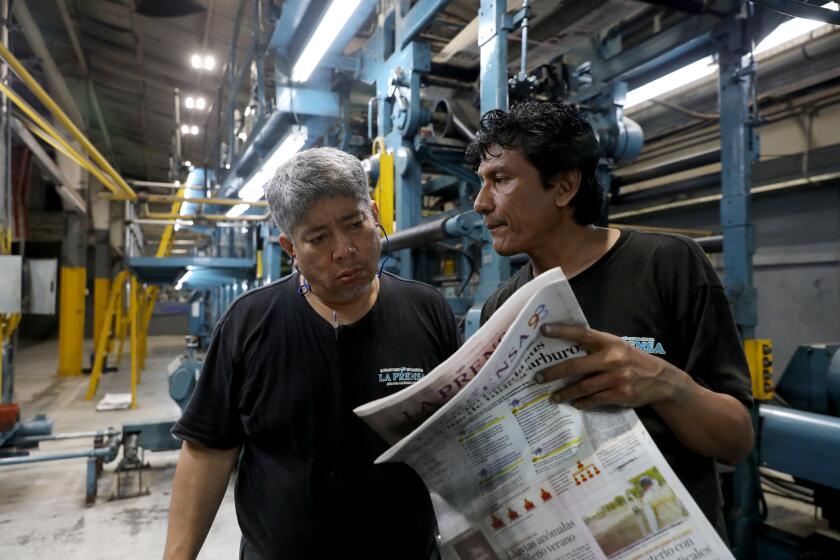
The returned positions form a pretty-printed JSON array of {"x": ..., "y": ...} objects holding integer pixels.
[{"x": 513, "y": 475}]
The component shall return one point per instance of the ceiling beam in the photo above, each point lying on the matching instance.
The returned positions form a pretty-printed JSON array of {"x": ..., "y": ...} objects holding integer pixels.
[
  {"x": 58, "y": 86},
  {"x": 70, "y": 26}
]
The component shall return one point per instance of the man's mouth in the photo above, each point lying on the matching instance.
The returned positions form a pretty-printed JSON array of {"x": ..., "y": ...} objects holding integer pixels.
[
  {"x": 495, "y": 226},
  {"x": 348, "y": 275}
]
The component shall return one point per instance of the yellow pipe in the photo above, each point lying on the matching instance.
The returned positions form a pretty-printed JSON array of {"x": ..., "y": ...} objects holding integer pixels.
[
  {"x": 104, "y": 332},
  {"x": 165, "y": 245},
  {"x": 143, "y": 197},
  {"x": 101, "y": 290},
  {"x": 51, "y": 105},
  {"x": 61, "y": 145},
  {"x": 52, "y": 137},
  {"x": 71, "y": 320},
  {"x": 134, "y": 318},
  {"x": 213, "y": 217}
]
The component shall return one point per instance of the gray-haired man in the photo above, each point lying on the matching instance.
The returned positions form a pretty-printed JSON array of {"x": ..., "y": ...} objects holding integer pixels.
[{"x": 287, "y": 364}]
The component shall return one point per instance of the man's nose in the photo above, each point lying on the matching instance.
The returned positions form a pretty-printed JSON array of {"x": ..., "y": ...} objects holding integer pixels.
[
  {"x": 483, "y": 202},
  {"x": 344, "y": 247}
]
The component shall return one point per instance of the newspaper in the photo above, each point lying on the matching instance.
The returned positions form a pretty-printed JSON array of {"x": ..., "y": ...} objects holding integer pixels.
[{"x": 513, "y": 475}]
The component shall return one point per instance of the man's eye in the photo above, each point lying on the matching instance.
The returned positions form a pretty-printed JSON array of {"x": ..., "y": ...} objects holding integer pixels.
[
  {"x": 317, "y": 239},
  {"x": 500, "y": 178},
  {"x": 357, "y": 225}
]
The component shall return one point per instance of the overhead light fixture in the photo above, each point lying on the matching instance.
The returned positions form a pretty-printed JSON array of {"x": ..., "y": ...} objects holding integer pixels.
[
  {"x": 227, "y": 166},
  {"x": 177, "y": 183},
  {"x": 189, "y": 103},
  {"x": 238, "y": 210},
  {"x": 185, "y": 129},
  {"x": 254, "y": 188},
  {"x": 202, "y": 62},
  {"x": 183, "y": 279},
  {"x": 188, "y": 163},
  {"x": 242, "y": 136},
  {"x": 194, "y": 130},
  {"x": 790, "y": 30},
  {"x": 685, "y": 75},
  {"x": 329, "y": 27},
  {"x": 247, "y": 110},
  {"x": 200, "y": 103},
  {"x": 785, "y": 32}
]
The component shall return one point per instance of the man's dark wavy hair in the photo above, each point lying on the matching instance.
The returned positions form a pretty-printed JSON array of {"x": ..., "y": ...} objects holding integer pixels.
[{"x": 553, "y": 138}]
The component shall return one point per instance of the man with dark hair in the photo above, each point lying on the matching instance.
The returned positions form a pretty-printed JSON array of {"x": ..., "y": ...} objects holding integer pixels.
[
  {"x": 662, "y": 338},
  {"x": 288, "y": 363}
]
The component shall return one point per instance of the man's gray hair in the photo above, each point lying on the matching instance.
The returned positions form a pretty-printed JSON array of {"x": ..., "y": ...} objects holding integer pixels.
[{"x": 310, "y": 176}]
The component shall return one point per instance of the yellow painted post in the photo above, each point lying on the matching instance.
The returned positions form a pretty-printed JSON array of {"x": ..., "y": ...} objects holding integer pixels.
[
  {"x": 383, "y": 194},
  {"x": 104, "y": 335},
  {"x": 122, "y": 322},
  {"x": 134, "y": 317},
  {"x": 71, "y": 320},
  {"x": 101, "y": 292},
  {"x": 151, "y": 294}
]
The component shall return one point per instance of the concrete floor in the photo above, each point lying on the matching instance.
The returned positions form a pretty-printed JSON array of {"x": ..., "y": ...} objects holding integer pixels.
[{"x": 42, "y": 509}]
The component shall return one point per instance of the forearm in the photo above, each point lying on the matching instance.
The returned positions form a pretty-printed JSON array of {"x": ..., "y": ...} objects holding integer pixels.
[
  {"x": 201, "y": 479},
  {"x": 711, "y": 424}
]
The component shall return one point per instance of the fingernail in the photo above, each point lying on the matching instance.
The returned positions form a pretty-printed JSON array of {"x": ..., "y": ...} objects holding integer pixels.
[
  {"x": 545, "y": 329},
  {"x": 539, "y": 377}
]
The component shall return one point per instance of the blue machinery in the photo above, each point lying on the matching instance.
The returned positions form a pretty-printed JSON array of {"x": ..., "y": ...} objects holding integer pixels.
[{"x": 437, "y": 238}]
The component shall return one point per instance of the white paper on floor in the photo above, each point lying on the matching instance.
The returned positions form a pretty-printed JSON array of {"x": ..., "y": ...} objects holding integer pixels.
[{"x": 114, "y": 401}]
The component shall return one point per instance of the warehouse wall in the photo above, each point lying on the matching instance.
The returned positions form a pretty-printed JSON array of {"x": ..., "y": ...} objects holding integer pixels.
[{"x": 797, "y": 263}]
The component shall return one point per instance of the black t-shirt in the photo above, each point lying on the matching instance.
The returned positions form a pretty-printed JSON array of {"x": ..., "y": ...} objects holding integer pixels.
[
  {"x": 660, "y": 293},
  {"x": 282, "y": 382}
]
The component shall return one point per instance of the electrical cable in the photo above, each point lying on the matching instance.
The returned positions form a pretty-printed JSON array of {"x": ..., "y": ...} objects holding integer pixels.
[{"x": 469, "y": 260}]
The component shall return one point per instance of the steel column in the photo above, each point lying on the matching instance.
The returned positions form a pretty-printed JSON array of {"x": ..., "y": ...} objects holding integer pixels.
[
  {"x": 739, "y": 148},
  {"x": 492, "y": 41}
]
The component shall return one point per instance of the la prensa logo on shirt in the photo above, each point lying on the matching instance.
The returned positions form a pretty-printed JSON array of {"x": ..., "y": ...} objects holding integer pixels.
[
  {"x": 399, "y": 376},
  {"x": 645, "y": 344}
]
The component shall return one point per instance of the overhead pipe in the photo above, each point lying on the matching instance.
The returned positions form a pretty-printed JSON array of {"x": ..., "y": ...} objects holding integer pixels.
[
  {"x": 677, "y": 187},
  {"x": 77, "y": 134},
  {"x": 50, "y": 135},
  {"x": 676, "y": 166}
]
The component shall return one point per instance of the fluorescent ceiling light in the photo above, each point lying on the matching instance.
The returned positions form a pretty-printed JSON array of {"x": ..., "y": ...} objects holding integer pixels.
[
  {"x": 238, "y": 210},
  {"x": 188, "y": 163},
  {"x": 194, "y": 130},
  {"x": 790, "y": 30},
  {"x": 784, "y": 33},
  {"x": 189, "y": 102},
  {"x": 685, "y": 75},
  {"x": 209, "y": 62},
  {"x": 186, "y": 276},
  {"x": 195, "y": 61},
  {"x": 185, "y": 129},
  {"x": 328, "y": 29},
  {"x": 253, "y": 190},
  {"x": 200, "y": 103}
]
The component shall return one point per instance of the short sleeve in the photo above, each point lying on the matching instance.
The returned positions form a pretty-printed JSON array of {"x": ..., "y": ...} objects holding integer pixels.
[
  {"x": 715, "y": 356},
  {"x": 451, "y": 332},
  {"x": 212, "y": 416}
]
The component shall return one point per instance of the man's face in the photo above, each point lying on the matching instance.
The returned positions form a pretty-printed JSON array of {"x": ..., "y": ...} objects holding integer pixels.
[
  {"x": 337, "y": 248},
  {"x": 517, "y": 210}
]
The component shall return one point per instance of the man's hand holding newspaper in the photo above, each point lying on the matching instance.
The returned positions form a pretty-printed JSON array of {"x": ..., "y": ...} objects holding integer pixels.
[{"x": 514, "y": 474}]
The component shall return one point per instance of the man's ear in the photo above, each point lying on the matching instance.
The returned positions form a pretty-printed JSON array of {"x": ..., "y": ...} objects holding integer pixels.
[
  {"x": 374, "y": 209},
  {"x": 287, "y": 245},
  {"x": 566, "y": 185}
]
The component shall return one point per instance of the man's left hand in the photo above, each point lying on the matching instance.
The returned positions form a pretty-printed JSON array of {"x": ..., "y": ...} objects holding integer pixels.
[{"x": 613, "y": 373}]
